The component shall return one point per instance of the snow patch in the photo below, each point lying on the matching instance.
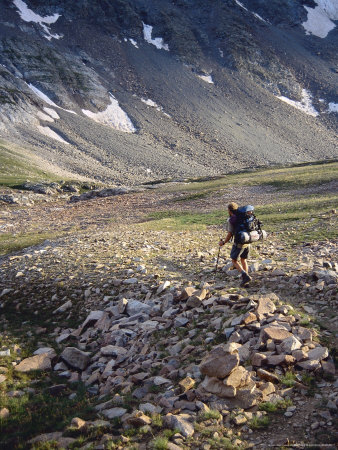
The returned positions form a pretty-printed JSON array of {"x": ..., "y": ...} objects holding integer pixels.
[
  {"x": 132, "y": 41},
  {"x": 113, "y": 116},
  {"x": 52, "y": 113},
  {"x": 28, "y": 15},
  {"x": 253, "y": 13},
  {"x": 333, "y": 107},
  {"x": 45, "y": 117},
  {"x": 206, "y": 78},
  {"x": 305, "y": 105},
  {"x": 319, "y": 19},
  {"x": 158, "y": 42},
  {"x": 47, "y": 99},
  {"x": 154, "y": 105},
  {"x": 50, "y": 133}
]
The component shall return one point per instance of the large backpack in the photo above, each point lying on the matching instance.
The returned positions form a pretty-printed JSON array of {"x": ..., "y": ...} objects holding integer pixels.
[{"x": 248, "y": 228}]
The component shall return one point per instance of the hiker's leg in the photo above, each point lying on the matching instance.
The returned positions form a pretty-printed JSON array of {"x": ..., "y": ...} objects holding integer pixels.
[
  {"x": 235, "y": 251},
  {"x": 244, "y": 264},
  {"x": 237, "y": 266}
]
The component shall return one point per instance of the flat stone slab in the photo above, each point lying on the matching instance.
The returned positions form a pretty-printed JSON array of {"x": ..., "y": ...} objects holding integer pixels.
[
  {"x": 114, "y": 412},
  {"x": 37, "y": 362}
]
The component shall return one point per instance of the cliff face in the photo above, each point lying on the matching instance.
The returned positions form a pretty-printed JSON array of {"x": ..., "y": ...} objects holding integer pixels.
[{"x": 137, "y": 90}]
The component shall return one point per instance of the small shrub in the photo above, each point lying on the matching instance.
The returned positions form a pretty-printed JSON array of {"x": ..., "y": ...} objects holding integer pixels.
[
  {"x": 160, "y": 443},
  {"x": 288, "y": 379},
  {"x": 212, "y": 414},
  {"x": 156, "y": 420},
  {"x": 259, "y": 422}
]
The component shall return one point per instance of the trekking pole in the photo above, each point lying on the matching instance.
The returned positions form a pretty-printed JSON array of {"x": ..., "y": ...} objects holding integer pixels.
[{"x": 219, "y": 250}]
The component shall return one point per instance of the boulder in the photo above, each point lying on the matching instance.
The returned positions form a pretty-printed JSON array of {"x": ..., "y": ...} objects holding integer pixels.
[
  {"x": 219, "y": 362},
  {"x": 277, "y": 334},
  {"x": 318, "y": 353},
  {"x": 38, "y": 362},
  {"x": 135, "y": 307},
  {"x": 290, "y": 344},
  {"x": 75, "y": 358},
  {"x": 239, "y": 377},
  {"x": 265, "y": 306},
  {"x": 217, "y": 387},
  {"x": 181, "y": 423}
]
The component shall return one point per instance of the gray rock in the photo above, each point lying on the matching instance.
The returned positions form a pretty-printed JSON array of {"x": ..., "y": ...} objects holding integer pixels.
[
  {"x": 219, "y": 362},
  {"x": 38, "y": 362},
  {"x": 113, "y": 412},
  {"x": 136, "y": 307},
  {"x": 289, "y": 344},
  {"x": 318, "y": 353},
  {"x": 217, "y": 387},
  {"x": 75, "y": 358},
  {"x": 181, "y": 422}
]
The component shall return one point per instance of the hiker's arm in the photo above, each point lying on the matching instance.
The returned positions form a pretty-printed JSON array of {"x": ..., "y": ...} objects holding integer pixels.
[{"x": 227, "y": 239}]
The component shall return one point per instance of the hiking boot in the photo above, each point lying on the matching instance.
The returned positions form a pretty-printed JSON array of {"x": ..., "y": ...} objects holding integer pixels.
[{"x": 245, "y": 279}]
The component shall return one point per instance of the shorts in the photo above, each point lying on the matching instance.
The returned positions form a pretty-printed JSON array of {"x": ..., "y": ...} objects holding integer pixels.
[{"x": 240, "y": 251}]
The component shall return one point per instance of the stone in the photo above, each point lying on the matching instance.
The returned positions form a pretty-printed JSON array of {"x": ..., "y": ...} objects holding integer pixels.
[
  {"x": 122, "y": 305},
  {"x": 112, "y": 413},
  {"x": 217, "y": 387},
  {"x": 181, "y": 422},
  {"x": 290, "y": 344},
  {"x": 300, "y": 355},
  {"x": 258, "y": 359},
  {"x": 194, "y": 302},
  {"x": 328, "y": 368},
  {"x": 186, "y": 293},
  {"x": 275, "y": 360},
  {"x": 249, "y": 317},
  {"x": 46, "y": 437},
  {"x": 265, "y": 306},
  {"x": 266, "y": 388},
  {"x": 138, "y": 419},
  {"x": 3, "y": 378},
  {"x": 63, "y": 308},
  {"x": 186, "y": 384},
  {"x": 318, "y": 353},
  {"x": 93, "y": 317},
  {"x": 75, "y": 358},
  {"x": 150, "y": 408},
  {"x": 219, "y": 362},
  {"x": 309, "y": 364},
  {"x": 77, "y": 423},
  {"x": 277, "y": 334},
  {"x": 4, "y": 413},
  {"x": 48, "y": 350},
  {"x": 267, "y": 376},
  {"x": 135, "y": 307},
  {"x": 239, "y": 377},
  {"x": 239, "y": 420},
  {"x": 38, "y": 362},
  {"x": 113, "y": 350}
]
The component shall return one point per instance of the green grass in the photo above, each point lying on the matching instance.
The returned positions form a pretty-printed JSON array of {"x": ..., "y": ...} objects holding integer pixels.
[
  {"x": 38, "y": 413},
  {"x": 301, "y": 175},
  {"x": 212, "y": 414},
  {"x": 160, "y": 443},
  {"x": 15, "y": 167},
  {"x": 275, "y": 406},
  {"x": 11, "y": 243},
  {"x": 259, "y": 422},
  {"x": 288, "y": 379},
  {"x": 275, "y": 217}
]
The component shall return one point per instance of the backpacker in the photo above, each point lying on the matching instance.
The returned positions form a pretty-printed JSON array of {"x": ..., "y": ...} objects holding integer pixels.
[{"x": 248, "y": 228}]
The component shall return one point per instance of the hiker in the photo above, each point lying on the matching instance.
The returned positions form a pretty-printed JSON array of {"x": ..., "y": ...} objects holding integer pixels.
[{"x": 238, "y": 250}]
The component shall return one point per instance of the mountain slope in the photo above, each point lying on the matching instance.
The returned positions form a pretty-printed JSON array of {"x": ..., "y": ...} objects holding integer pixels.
[{"x": 136, "y": 91}]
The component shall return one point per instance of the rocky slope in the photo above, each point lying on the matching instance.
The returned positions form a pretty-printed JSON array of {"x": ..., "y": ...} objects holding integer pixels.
[
  {"x": 131, "y": 331},
  {"x": 136, "y": 91}
]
